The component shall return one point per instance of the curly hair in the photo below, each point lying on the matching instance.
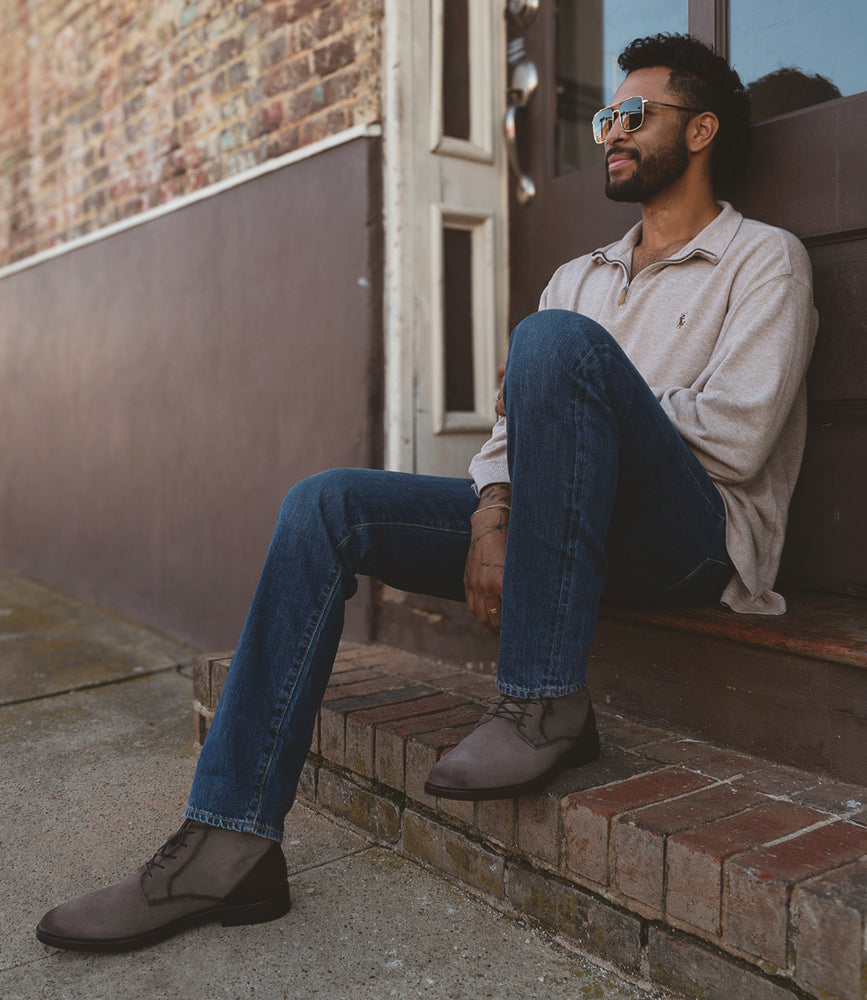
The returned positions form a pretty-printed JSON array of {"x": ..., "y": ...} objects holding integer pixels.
[{"x": 705, "y": 80}]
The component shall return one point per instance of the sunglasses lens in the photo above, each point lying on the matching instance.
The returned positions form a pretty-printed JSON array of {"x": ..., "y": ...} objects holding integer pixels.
[
  {"x": 602, "y": 124},
  {"x": 631, "y": 114}
]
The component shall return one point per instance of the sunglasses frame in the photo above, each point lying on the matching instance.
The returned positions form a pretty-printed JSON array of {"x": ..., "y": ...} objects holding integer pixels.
[{"x": 615, "y": 113}]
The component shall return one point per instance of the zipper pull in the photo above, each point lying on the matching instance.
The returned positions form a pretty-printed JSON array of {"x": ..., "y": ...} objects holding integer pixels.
[{"x": 623, "y": 292}]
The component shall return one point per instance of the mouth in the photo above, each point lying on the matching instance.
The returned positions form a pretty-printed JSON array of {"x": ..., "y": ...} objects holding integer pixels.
[{"x": 617, "y": 160}]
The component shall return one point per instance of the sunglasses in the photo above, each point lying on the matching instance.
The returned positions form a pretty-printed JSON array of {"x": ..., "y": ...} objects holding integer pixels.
[{"x": 631, "y": 114}]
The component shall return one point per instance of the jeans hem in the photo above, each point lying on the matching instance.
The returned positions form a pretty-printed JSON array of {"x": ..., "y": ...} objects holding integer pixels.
[
  {"x": 239, "y": 826},
  {"x": 534, "y": 693}
]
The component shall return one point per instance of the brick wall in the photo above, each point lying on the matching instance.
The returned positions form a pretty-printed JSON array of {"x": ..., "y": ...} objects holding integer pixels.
[{"x": 111, "y": 107}]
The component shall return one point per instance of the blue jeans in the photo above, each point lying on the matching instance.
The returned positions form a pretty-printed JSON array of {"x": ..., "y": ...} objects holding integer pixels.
[{"x": 605, "y": 495}]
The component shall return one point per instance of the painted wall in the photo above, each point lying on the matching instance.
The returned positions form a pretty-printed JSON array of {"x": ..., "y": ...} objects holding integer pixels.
[{"x": 162, "y": 388}]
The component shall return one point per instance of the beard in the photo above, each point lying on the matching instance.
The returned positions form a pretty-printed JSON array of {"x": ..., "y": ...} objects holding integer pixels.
[{"x": 653, "y": 171}]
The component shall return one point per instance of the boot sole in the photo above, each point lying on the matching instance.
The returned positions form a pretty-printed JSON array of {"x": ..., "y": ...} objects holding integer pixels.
[
  {"x": 585, "y": 750},
  {"x": 229, "y": 916}
]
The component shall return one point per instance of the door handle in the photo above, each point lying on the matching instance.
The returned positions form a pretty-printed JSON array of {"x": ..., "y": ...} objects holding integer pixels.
[{"x": 524, "y": 83}]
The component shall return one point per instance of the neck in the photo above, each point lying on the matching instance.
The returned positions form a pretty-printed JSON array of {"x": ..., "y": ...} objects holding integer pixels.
[{"x": 676, "y": 217}]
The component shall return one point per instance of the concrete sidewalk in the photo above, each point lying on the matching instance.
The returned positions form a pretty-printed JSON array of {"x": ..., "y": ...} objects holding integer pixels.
[{"x": 97, "y": 751}]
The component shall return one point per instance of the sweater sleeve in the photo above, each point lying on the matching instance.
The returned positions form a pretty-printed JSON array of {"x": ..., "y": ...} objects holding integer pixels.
[
  {"x": 733, "y": 415},
  {"x": 491, "y": 465}
]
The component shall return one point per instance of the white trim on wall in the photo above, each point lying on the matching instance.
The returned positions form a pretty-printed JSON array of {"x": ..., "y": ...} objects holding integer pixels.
[{"x": 348, "y": 135}]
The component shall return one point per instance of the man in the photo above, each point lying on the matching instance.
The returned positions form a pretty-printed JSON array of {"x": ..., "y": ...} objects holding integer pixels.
[{"x": 649, "y": 436}]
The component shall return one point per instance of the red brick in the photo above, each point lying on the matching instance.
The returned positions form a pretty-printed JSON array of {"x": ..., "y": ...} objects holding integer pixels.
[
  {"x": 640, "y": 837},
  {"x": 629, "y": 735},
  {"x": 390, "y": 749},
  {"x": 676, "y": 751},
  {"x": 354, "y": 681},
  {"x": 366, "y": 694},
  {"x": 830, "y": 918},
  {"x": 776, "y": 780},
  {"x": 587, "y": 815},
  {"x": 361, "y": 726},
  {"x": 725, "y": 764},
  {"x": 403, "y": 664},
  {"x": 694, "y": 858},
  {"x": 833, "y": 796},
  {"x": 758, "y": 885}
]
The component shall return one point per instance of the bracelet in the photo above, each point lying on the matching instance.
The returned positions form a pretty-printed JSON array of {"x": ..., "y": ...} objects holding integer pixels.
[{"x": 493, "y": 506}]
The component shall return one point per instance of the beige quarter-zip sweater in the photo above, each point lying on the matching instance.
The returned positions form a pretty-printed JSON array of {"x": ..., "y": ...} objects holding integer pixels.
[{"x": 722, "y": 332}]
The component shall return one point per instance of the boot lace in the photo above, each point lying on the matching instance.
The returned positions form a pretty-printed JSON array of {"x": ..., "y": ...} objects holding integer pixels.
[
  {"x": 515, "y": 710},
  {"x": 176, "y": 842}
]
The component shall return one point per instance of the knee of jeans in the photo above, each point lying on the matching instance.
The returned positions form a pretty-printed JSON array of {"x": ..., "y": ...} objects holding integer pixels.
[
  {"x": 549, "y": 344},
  {"x": 314, "y": 499}
]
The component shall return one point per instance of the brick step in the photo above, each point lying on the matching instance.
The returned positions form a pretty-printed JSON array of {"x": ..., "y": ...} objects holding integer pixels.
[
  {"x": 791, "y": 688},
  {"x": 707, "y": 871}
]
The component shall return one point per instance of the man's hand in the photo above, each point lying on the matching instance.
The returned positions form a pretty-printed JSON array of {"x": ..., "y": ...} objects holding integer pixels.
[{"x": 483, "y": 573}]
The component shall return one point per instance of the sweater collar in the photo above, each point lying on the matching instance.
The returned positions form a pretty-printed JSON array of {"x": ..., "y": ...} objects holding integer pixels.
[{"x": 711, "y": 243}]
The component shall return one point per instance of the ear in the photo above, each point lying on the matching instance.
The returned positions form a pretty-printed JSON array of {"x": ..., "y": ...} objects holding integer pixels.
[{"x": 701, "y": 130}]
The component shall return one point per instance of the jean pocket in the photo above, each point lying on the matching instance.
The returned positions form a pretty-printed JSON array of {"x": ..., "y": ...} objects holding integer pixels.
[{"x": 704, "y": 585}]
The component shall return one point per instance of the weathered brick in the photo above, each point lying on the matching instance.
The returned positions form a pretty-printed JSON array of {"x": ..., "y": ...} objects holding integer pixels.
[
  {"x": 596, "y": 926},
  {"x": 587, "y": 815},
  {"x": 676, "y": 751},
  {"x": 835, "y": 796},
  {"x": 150, "y": 70},
  {"x": 361, "y": 726},
  {"x": 640, "y": 837},
  {"x": 390, "y": 750},
  {"x": 370, "y": 812},
  {"x": 695, "y": 858},
  {"x": 774, "y": 779},
  {"x": 453, "y": 853},
  {"x": 496, "y": 821},
  {"x": 308, "y": 781},
  {"x": 627, "y": 735},
  {"x": 725, "y": 764},
  {"x": 423, "y": 750},
  {"x": 539, "y": 816},
  {"x": 366, "y": 695},
  {"x": 830, "y": 933},
  {"x": 202, "y": 679},
  {"x": 463, "y": 810},
  {"x": 683, "y": 964},
  {"x": 758, "y": 884},
  {"x": 468, "y": 682},
  {"x": 354, "y": 674}
]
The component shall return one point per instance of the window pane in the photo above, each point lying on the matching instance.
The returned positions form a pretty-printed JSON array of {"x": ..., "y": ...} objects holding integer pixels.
[
  {"x": 456, "y": 69},
  {"x": 795, "y": 55},
  {"x": 590, "y": 36},
  {"x": 458, "y": 319}
]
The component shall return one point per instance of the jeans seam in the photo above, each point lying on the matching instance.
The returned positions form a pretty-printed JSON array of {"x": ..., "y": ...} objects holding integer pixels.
[
  {"x": 303, "y": 666},
  {"x": 575, "y": 515}
]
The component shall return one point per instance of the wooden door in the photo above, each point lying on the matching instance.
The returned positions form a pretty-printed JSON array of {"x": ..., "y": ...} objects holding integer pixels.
[{"x": 806, "y": 175}]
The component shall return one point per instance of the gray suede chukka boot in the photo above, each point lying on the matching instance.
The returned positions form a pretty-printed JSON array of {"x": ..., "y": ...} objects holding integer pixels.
[
  {"x": 518, "y": 746},
  {"x": 202, "y": 873}
]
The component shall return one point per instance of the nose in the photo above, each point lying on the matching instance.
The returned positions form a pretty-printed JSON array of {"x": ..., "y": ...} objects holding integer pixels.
[{"x": 615, "y": 131}]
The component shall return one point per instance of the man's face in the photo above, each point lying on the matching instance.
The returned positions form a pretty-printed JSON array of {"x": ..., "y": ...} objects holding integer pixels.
[{"x": 641, "y": 164}]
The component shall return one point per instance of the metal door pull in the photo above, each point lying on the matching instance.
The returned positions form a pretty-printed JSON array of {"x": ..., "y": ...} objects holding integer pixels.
[{"x": 525, "y": 81}]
